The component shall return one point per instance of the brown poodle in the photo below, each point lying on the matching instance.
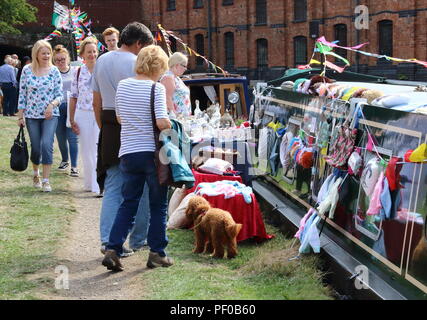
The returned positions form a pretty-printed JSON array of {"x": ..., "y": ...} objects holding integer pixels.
[{"x": 214, "y": 228}]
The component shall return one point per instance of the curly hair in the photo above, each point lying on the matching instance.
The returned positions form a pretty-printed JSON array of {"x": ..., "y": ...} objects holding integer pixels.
[{"x": 152, "y": 60}]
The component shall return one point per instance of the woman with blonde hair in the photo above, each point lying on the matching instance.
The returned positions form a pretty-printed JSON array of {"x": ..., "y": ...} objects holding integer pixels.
[
  {"x": 82, "y": 117},
  {"x": 177, "y": 93},
  {"x": 67, "y": 139},
  {"x": 137, "y": 146},
  {"x": 40, "y": 94}
]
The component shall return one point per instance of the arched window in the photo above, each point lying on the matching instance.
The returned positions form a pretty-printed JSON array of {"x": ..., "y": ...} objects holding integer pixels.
[
  {"x": 200, "y": 48},
  {"x": 341, "y": 35},
  {"x": 171, "y": 5},
  {"x": 300, "y": 10},
  {"x": 262, "y": 53},
  {"x": 261, "y": 12},
  {"x": 385, "y": 34},
  {"x": 300, "y": 50},
  {"x": 229, "y": 49}
]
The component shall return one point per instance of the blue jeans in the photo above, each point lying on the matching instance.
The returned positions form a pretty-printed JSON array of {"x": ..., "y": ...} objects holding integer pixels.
[
  {"x": 64, "y": 135},
  {"x": 9, "y": 98},
  {"x": 110, "y": 206},
  {"x": 42, "y": 135},
  {"x": 137, "y": 169}
]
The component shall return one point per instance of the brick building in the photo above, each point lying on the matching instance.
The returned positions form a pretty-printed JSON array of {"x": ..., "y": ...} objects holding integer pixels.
[{"x": 262, "y": 38}]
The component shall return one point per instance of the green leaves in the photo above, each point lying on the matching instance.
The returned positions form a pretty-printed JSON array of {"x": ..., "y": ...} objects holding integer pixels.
[{"x": 13, "y": 13}]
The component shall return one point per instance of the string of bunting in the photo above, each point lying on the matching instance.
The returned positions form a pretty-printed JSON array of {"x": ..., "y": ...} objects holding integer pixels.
[
  {"x": 166, "y": 34},
  {"x": 325, "y": 48}
]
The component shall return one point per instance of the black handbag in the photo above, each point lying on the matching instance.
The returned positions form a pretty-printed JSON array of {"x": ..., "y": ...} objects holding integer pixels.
[
  {"x": 164, "y": 173},
  {"x": 19, "y": 152}
]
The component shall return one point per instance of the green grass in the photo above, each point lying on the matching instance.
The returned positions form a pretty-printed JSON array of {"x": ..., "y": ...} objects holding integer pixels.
[
  {"x": 31, "y": 222},
  {"x": 259, "y": 272}
]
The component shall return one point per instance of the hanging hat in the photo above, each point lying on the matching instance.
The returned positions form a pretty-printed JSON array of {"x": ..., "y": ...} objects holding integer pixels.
[
  {"x": 419, "y": 154},
  {"x": 408, "y": 155},
  {"x": 306, "y": 160}
]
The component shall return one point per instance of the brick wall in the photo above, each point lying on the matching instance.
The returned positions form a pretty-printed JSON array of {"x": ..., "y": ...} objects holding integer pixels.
[{"x": 409, "y": 31}]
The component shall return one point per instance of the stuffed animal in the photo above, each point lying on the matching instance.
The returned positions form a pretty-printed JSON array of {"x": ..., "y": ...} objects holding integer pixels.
[
  {"x": 214, "y": 229},
  {"x": 211, "y": 110}
]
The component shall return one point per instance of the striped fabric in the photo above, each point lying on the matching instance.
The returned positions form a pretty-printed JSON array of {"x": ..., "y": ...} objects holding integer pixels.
[{"x": 133, "y": 107}]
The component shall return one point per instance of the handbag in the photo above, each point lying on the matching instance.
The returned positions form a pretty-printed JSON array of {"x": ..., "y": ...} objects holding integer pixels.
[
  {"x": 164, "y": 173},
  {"x": 19, "y": 152}
]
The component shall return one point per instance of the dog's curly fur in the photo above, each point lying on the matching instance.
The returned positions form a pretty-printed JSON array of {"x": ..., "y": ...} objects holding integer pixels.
[{"x": 213, "y": 228}]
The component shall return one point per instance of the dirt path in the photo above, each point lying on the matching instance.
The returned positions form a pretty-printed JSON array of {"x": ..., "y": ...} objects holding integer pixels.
[{"x": 80, "y": 253}]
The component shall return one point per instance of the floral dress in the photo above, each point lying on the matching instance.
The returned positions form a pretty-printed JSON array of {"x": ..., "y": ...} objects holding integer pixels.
[
  {"x": 181, "y": 96},
  {"x": 35, "y": 93}
]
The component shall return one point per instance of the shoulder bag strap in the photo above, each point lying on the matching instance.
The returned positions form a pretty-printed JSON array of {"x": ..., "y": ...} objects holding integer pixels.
[{"x": 156, "y": 130}]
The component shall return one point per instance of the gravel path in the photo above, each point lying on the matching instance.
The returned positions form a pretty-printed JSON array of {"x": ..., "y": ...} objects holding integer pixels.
[{"x": 80, "y": 253}]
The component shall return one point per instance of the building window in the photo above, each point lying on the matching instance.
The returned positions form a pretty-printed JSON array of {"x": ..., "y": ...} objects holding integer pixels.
[
  {"x": 262, "y": 53},
  {"x": 227, "y": 2},
  {"x": 198, "y": 4},
  {"x": 300, "y": 10},
  {"x": 385, "y": 33},
  {"x": 261, "y": 12},
  {"x": 341, "y": 36},
  {"x": 300, "y": 50},
  {"x": 171, "y": 5},
  {"x": 200, "y": 48},
  {"x": 229, "y": 49}
]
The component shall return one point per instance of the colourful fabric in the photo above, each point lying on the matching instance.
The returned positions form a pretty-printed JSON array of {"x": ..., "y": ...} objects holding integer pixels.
[
  {"x": 386, "y": 202},
  {"x": 228, "y": 188},
  {"x": 303, "y": 222},
  {"x": 342, "y": 147},
  {"x": 331, "y": 200},
  {"x": 210, "y": 177},
  {"x": 393, "y": 173},
  {"x": 310, "y": 236},
  {"x": 35, "y": 93},
  {"x": 375, "y": 204}
]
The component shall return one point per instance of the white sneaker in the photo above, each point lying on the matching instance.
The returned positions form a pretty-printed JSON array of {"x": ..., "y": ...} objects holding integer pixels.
[
  {"x": 46, "y": 187},
  {"x": 37, "y": 183}
]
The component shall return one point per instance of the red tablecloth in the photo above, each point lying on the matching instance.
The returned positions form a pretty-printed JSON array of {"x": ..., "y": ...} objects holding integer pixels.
[
  {"x": 248, "y": 214},
  {"x": 209, "y": 177}
]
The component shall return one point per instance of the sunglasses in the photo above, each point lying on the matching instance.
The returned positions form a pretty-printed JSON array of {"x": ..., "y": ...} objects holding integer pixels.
[
  {"x": 60, "y": 60},
  {"x": 183, "y": 65}
]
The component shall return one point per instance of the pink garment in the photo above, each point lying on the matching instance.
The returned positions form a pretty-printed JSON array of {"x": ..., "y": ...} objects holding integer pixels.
[
  {"x": 375, "y": 204},
  {"x": 303, "y": 222}
]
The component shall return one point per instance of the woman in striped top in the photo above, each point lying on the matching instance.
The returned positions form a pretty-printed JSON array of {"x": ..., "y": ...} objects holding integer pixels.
[{"x": 136, "y": 154}]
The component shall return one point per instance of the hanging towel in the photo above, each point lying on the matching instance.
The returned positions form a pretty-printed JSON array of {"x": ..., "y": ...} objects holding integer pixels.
[
  {"x": 303, "y": 222},
  {"x": 311, "y": 236},
  {"x": 386, "y": 202}
]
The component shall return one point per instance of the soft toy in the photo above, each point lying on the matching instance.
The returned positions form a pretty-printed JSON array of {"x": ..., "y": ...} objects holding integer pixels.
[
  {"x": 226, "y": 120},
  {"x": 371, "y": 95}
]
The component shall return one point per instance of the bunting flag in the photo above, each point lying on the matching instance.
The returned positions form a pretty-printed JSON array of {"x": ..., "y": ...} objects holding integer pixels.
[
  {"x": 54, "y": 34},
  {"x": 324, "y": 47},
  {"x": 72, "y": 3},
  {"x": 190, "y": 51}
]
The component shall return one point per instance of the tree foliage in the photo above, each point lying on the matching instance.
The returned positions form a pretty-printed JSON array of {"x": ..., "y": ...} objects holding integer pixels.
[{"x": 14, "y": 13}]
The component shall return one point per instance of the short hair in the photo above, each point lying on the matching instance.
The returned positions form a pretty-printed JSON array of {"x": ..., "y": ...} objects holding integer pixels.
[
  {"x": 34, "y": 52},
  {"x": 7, "y": 59},
  {"x": 61, "y": 49},
  {"x": 136, "y": 31},
  {"x": 151, "y": 60},
  {"x": 88, "y": 40},
  {"x": 109, "y": 31},
  {"x": 177, "y": 58}
]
